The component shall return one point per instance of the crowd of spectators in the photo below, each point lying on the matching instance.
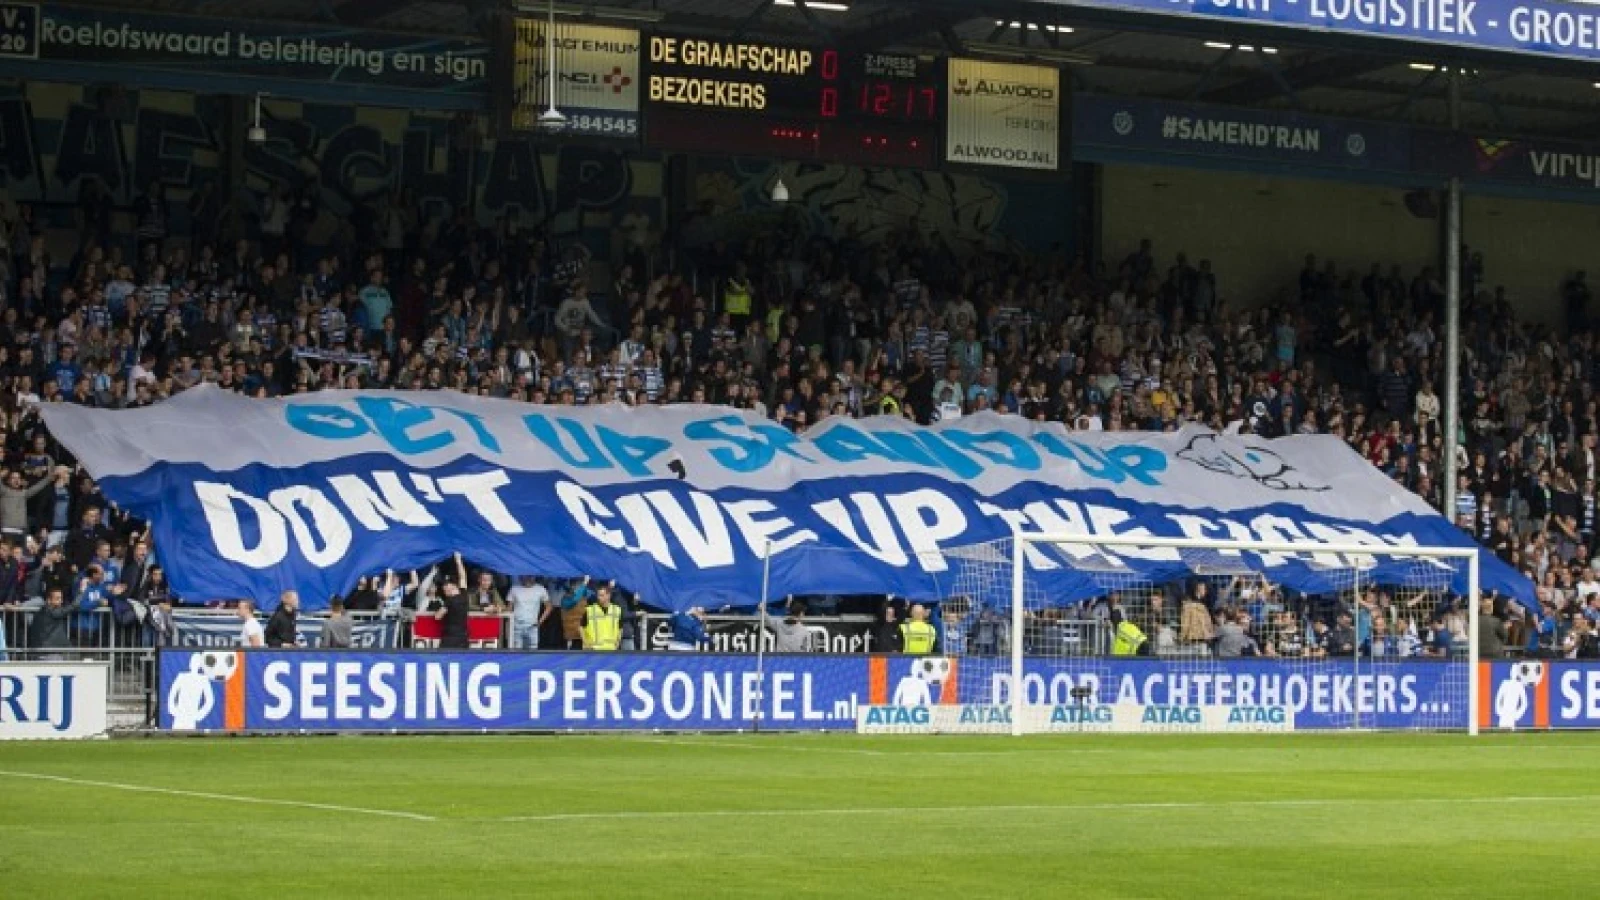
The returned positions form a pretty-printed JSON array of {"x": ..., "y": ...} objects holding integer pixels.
[{"x": 797, "y": 327}]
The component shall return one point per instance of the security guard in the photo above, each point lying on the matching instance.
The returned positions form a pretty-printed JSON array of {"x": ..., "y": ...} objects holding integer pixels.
[
  {"x": 917, "y": 637},
  {"x": 888, "y": 404},
  {"x": 736, "y": 296},
  {"x": 1128, "y": 637},
  {"x": 602, "y": 622}
]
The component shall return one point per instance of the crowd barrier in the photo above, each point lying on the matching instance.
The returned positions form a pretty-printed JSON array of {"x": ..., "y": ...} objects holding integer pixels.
[
  {"x": 77, "y": 692},
  {"x": 95, "y": 629},
  {"x": 858, "y": 634},
  {"x": 222, "y": 689},
  {"x": 98, "y": 629},
  {"x": 311, "y": 690},
  {"x": 368, "y": 631},
  {"x": 739, "y": 634}
]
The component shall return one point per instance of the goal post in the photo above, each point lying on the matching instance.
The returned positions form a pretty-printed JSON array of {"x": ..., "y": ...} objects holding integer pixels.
[{"x": 1256, "y": 635}]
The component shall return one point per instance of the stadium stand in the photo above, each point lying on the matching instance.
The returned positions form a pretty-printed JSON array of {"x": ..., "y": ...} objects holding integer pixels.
[{"x": 796, "y": 328}]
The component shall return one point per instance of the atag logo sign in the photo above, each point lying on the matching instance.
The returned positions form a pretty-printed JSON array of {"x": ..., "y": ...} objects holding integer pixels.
[{"x": 895, "y": 715}]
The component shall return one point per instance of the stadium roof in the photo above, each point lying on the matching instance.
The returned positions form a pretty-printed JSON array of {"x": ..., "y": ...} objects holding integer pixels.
[{"x": 1502, "y": 93}]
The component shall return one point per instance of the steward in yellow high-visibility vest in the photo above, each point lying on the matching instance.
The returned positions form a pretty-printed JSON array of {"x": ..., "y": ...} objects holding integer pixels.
[
  {"x": 917, "y": 637},
  {"x": 1128, "y": 639},
  {"x": 888, "y": 405},
  {"x": 602, "y": 622},
  {"x": 736, "y": 297},
  {"x": 774, "y": 323}
]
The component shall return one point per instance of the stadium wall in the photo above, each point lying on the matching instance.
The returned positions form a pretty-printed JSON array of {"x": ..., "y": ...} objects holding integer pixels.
[
  {"x": 1255, "y": 229},
  {"x": 1531, "y": 246},
  {"x": 871, "y": 204},
  {"x": 53, "y": 135}
]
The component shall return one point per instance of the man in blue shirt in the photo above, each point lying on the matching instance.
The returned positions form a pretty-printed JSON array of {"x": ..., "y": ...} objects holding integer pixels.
[
  {"x": 94, "y": 595},
  {"x": 1440, "y": 641},
  {"x": 65, "y": 370},
  {"x": 376, "y": 301},
  {"x": 689, "y": 631}
]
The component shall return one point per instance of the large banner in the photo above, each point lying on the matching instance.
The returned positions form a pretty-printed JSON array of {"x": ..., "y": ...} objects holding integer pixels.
[
  {"x": 223, "y": 690},
  {"x": 1551, "y": 165},
  {"x": 201, "y": 48},
  {"x": 680, "y": 504},
  {"x": 597, "y": 77},
  {"x": 1539, "y": 694},
  {"x": 483, "y": 632},
  {"x": 1544, "y": 27},
  {"x": 213, "y": 630},
  {"x": 53, "y": 700},
  {"x": 1108, "y": 129},
  {"x": 1004, "y": 114},
  {"x": 741, "y": 634}
]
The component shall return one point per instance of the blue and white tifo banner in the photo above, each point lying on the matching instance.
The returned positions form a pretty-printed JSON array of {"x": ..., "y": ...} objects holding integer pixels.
[
  {"x": 679, "y": 504},
  {"x": 1547, "y": 27},
  {"x": 267, "y": 690}
]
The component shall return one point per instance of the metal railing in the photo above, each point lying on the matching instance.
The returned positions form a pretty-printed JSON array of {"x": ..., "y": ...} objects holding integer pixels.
[
  {"x": 98, "y": 630},
  {"x": 131, "y": 696},
  {"x": 94, "y": 629}
]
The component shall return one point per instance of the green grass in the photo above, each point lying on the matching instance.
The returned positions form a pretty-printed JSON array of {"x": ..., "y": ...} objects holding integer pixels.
[{"x": 1347, "y": 816}]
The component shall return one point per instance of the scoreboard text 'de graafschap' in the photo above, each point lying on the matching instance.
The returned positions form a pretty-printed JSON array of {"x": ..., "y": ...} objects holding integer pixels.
[{"x": 772, "y": 99}]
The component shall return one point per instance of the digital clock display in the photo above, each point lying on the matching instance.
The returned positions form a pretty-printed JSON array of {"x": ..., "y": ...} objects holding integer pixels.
[
  {"x": 877, "y": 86},
  {"x": 705, "y": 95}
]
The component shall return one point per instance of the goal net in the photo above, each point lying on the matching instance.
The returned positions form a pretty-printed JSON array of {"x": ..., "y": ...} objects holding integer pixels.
[{"x": 1072, "y": 633}]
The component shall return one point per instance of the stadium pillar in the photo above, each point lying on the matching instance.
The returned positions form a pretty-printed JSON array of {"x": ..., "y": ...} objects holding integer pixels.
[
  {"x": 1452, "y": 315},
  {"x": 236, "y": 110}
]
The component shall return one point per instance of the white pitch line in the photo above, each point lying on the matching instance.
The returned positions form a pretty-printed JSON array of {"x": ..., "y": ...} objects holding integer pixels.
[
  {"x": 231, "y": 798},
  {"x": 736, "y": 744},
  {"x": 755, "y": 745},
  {"x": 1030, "y": 807}
]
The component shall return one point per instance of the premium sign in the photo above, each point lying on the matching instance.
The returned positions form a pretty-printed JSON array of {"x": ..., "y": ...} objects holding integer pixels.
[
  {"x": 53, "y": 701},
  {"x": 597, "y": 77},
  {"x": 1004, "y": 114}
]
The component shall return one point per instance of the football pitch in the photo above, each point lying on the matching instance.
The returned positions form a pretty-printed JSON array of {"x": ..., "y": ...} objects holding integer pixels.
[{"x": 1345, "y": 815}]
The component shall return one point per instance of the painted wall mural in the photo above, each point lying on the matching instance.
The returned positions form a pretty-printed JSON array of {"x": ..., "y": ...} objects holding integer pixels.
[{"x": 872, "y": 203}]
